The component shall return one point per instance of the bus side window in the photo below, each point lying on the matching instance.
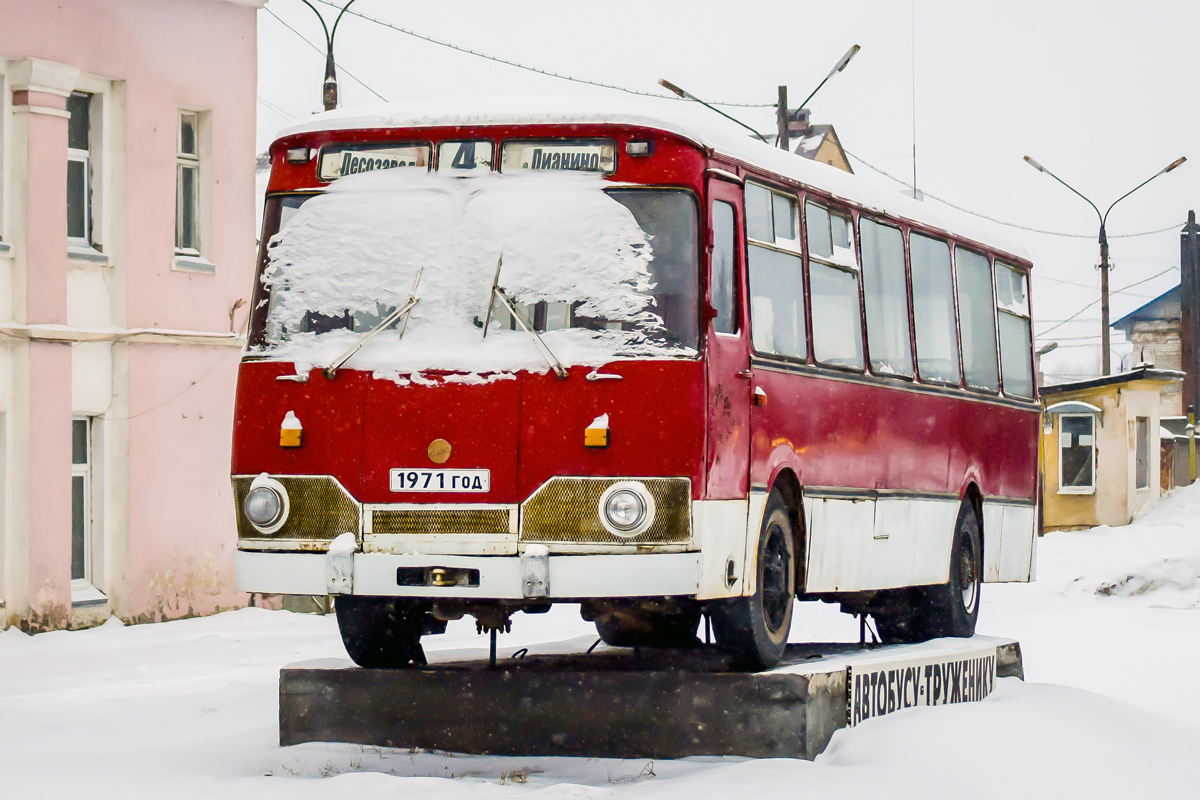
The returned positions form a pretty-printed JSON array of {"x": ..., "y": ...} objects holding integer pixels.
[
  {"x": 724, "y": 269},
  {"x": 833, "y": 283},
  {"x": 777, "y": 323},
  {"x": 1012, "y": 301},
  {"x": 977, "y": 320},
  {"x": 886, "y": 293},
  {"x": 933, "y": 309}
]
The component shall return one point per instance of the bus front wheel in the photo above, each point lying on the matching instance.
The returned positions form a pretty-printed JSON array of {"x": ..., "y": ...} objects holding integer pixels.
[
  {"x": 948, "y": 609},
  {"x": 754, "y": 629},
  {"x": 381, "y": 632}
]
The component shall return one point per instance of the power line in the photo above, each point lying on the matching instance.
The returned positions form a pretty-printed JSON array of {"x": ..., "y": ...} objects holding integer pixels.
[
  {"x": 1097, "y": 300},
  {"x": 322, "y": 52},
  {"x": 1004, "y": 222},
  {"x": 527, "y": 67},
  {"x": 272, "y": 107}
]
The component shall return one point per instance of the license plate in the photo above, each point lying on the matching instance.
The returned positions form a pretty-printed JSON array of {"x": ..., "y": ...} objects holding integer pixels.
[{"x": 440, "y": 480}]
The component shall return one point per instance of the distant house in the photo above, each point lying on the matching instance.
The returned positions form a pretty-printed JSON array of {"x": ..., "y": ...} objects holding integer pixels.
[
  {"x": 1101, "y": 447},
  {"x": 817, "y": 142},
  {"x": 126, "y": 241},
  {"x": 1154, "y": 330}
]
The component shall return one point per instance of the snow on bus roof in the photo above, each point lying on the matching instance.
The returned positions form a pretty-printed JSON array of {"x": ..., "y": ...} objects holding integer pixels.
[{"x": 688, "y": 120}]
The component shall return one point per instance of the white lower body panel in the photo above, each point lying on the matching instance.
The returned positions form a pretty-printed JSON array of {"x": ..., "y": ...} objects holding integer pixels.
[
  {"x": 860, "y": 544},
  {"x": 1009, "y": 534},
  {"x": 571, "y": 576}
]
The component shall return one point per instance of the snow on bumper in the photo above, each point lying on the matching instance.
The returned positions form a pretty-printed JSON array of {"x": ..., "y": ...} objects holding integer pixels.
[{"x": 500, "y": 577}]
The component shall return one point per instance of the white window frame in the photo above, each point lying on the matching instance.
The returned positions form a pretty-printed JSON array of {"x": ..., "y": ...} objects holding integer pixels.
[
  {"x": 1063, "y": 489},
  {"x": 105, "y": 118},
  {"x": 84, "y": 156},
  {"x": 83, "y": 590},
  {"x": 194, "y": 259},
  {"x": 187, "y": 161}
]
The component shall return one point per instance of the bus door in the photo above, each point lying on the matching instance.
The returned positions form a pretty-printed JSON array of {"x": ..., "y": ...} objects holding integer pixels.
[{"x": 727, "y": 342}]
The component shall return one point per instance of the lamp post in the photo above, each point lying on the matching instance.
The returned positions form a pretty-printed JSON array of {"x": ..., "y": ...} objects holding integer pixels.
[
  {"x": 329, "y": 91},
  {"x": 783, "y": 116},
  {"x": 1105, "y": 360}
]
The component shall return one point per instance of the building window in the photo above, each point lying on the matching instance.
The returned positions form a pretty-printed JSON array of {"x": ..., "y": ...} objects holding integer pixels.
[
  {"x": 187, "y": 191},
  {"x": 79, "y": 168},
  {"x": 1077, "y": 454},
  {"x": 1142, "y": 454},
  {"x": 81, "y": 506}
]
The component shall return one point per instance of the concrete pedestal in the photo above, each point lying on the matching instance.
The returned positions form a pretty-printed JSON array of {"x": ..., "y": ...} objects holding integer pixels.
[{"x": 615, "y": 703}]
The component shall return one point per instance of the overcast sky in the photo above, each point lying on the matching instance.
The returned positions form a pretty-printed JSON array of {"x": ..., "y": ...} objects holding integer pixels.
[{"x": 1101, "y": 93}]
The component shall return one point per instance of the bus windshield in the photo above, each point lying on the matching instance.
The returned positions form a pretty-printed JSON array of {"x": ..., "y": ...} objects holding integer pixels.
[{"x": 601, "y": 273}]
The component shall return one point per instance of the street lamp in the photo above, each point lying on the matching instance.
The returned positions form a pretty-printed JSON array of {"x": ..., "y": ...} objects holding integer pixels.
[
  {"x": 783, "y": 116},
  {"x": 1105, "y": 359},
  {"x": 329, "y": 91}
]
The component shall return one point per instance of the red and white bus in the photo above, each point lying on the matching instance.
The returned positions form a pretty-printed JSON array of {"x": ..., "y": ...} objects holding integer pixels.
[{"x": 622, "y": 358}]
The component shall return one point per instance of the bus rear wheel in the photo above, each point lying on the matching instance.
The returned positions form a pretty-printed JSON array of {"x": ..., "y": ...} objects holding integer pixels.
[
  {"x": 382, "y": 632},
  {"x": 948, "y": 609},
  {"x": 754, "y": 629}
]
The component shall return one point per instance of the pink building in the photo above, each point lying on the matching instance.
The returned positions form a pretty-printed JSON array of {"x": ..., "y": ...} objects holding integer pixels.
[{"x": 126, "y": 240}]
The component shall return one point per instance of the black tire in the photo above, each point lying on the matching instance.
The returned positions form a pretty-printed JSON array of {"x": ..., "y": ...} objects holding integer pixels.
[
  {"x": 949, "y": 609},
  {"x": 754, "y": 629},
  {"x": 640, "y": 628},
  {"x": 382, "y": 632}
]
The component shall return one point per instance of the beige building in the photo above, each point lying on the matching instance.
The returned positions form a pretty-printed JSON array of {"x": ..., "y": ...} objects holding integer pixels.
[{"x": 1101, "y": 445}]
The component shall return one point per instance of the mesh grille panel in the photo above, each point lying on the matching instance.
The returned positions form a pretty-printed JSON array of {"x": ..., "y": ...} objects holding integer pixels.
[
  {"x": 472, "y": 520},
  {"x": 567, "y": 510},
  {"x": 320, "y": 509}
]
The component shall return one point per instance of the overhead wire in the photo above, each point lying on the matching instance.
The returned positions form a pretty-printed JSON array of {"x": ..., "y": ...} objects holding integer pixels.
[
  {"x": 1006, "y": 223},
  {"x": 627, "y": 90},
  {"x": 527, "y": 67},
  {"x": 272, "y": 107},
  {"x": 1098, "y": 299},
  {"x": 638, "y": 92},
  {"x": 345, "y": 71}
]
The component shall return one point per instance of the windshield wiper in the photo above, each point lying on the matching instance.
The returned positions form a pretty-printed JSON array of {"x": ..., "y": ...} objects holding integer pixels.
[
  {"x": 385, "y": 323},
  {"x": 498, "y": 292}
]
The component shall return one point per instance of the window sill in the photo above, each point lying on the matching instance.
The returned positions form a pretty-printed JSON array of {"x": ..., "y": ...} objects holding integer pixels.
[
  {"x": 85, "y": 254},
  {"x": 196, "y": 264},
  {"x": 84, "y": 594},
  {"x": 1080, "y": 490},
  {"x": 6, "y": 250}
]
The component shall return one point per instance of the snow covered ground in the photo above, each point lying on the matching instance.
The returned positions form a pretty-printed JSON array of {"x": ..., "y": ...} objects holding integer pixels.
[{"x": 1110, "y": 633}]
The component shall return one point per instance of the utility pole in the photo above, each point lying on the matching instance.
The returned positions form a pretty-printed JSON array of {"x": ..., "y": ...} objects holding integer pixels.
[
  {"x": 1105, "y": 333},
  {"x": 1189, "y": 328},
  {"x": 782, "y": 117}
]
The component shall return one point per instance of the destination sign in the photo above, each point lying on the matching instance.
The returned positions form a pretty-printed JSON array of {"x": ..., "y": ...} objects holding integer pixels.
[
  {"x": 464, "y": 156},
  {"x": 352, "y": 160},
  {"x": 576, "y": 156}
]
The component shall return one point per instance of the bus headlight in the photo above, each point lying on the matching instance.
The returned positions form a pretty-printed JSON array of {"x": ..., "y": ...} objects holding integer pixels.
[
  {"x": 627, "y": 509},
  {"x": 266, "y": 504}
]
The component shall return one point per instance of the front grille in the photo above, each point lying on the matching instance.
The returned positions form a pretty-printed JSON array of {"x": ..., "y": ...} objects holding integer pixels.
[
  {"x": 440, "y": 520},
  {"x": 320, "y": 509},
  {"x": 567, "y": 510}
]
